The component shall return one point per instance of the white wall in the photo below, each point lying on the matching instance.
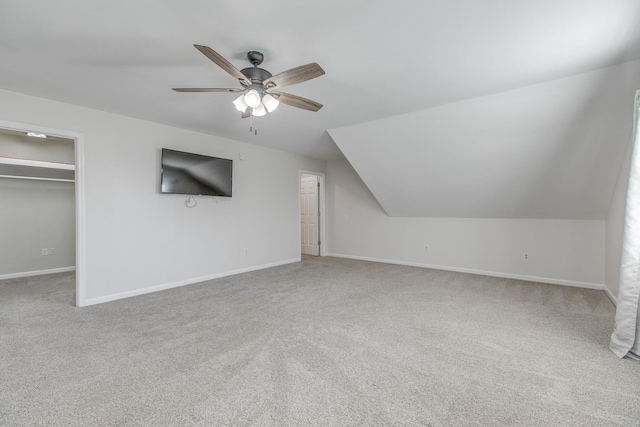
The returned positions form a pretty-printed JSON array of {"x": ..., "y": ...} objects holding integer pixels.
[
  {"x": 138, "y": 240},
  {"x": 569, "y": 252},
  {"x": 36, "y": 215}
]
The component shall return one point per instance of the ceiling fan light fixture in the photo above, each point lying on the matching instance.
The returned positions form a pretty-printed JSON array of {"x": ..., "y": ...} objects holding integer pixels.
[
  {"x": 270, "y": 103},
  {"x": 240, "y": 104},
  {"x": 259, "y": 111},
  {"x": 252, "y": 98}
]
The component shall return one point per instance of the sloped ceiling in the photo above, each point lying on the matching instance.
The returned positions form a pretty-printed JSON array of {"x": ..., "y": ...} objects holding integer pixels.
[
  {"x": 403, "y": 69},
  {"x": 546, "y": 151}
]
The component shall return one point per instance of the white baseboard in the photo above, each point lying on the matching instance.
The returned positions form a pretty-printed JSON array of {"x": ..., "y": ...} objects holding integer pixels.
[
  {"x": 551, "y": 281},
  {"x": 165, "y": 286},
  {"x": 612, "y": 297},
  {"x": 36, "y": 273}
]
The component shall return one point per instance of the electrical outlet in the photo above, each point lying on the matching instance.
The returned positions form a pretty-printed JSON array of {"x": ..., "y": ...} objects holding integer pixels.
[
  {"x": 525, "y": 256},
  {"x": 52, "y": 251},
  {"x": 246, "y": 251},
  {"x": 426, "y": 248},
  {"x": 45, "y": 251}
]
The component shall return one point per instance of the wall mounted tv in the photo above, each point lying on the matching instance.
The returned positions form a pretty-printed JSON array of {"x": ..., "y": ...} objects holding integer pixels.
[{"x": 195, "y": 174}]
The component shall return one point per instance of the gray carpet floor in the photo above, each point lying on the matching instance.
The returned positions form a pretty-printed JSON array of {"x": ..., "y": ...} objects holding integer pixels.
[{"x": 323, "y": 342}]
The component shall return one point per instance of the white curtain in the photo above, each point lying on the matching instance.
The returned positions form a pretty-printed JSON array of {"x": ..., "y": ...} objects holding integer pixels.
[{"x": 625, "y": 340}]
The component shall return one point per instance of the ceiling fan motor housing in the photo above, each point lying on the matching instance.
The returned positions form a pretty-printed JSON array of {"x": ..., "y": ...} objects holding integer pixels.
[{"x": 256, "y": 75}]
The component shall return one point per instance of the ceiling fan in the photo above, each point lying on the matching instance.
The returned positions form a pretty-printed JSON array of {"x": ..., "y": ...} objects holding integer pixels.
[{"x": 259, "y": 91}]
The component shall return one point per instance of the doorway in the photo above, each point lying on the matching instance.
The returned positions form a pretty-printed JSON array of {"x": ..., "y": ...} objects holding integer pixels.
[
  {"x": 46, "y": 169},
  {"x": 311, "y": 213}
]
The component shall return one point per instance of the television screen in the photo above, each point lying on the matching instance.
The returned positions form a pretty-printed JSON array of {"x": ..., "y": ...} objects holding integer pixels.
[{"x": 195, "y": 174}]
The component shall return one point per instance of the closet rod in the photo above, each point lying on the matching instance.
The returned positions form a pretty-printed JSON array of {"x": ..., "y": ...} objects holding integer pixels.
[{"x": 37, "y": 178}]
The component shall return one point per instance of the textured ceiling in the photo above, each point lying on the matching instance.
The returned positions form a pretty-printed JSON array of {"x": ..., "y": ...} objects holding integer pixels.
[{"x": 406, "y": 58}]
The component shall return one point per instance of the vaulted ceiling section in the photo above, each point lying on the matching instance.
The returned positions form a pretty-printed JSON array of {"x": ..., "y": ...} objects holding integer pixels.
[{"x": 546, "y": 151}]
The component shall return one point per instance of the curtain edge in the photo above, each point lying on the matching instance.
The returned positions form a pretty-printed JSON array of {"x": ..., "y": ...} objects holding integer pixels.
[{"x": 621, "y": 343}]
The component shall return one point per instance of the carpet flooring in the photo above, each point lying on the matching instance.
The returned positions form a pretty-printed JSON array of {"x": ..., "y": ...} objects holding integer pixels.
[{"x": 323, "y": 342}]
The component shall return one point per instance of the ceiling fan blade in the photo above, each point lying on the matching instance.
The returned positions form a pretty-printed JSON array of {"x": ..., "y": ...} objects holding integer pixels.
[
  {"x": 297, "y": 101},
  {"x": 207, "y": 89},
  {"x": 294, "y": 76},
  {"x": 222, "y": 63}
]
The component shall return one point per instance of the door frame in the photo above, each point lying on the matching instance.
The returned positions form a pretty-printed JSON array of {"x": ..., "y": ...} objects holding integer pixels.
[
  {"x": 78, "y": 139},
  {"x": 321, "y": 208}
]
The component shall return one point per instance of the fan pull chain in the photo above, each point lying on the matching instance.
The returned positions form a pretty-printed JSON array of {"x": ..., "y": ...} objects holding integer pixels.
[{"x": 251, "y": 128}]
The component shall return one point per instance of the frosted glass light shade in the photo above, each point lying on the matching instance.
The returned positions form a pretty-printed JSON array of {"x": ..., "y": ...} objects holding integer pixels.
[
  {"x": 240, "y": 104},
  {"x": 270, "y": 103},
  {"x": 259, "y": 111},
  {"x": 252, "y": 98}
]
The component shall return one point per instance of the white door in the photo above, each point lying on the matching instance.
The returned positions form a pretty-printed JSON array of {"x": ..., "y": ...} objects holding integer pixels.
[{"x": 309, "y": 215}]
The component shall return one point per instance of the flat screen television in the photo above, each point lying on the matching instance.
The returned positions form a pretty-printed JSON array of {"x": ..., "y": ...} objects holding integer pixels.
[{"x": 195, "y": 174}]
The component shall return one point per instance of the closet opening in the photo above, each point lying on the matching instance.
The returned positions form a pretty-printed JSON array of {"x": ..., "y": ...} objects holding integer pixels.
[{"x": 41, "y": 220}]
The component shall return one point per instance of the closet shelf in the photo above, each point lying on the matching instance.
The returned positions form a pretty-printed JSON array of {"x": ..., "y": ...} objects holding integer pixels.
[
  {"x": 39, "y": 170},
  {"x": 36, "y": 163}
]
